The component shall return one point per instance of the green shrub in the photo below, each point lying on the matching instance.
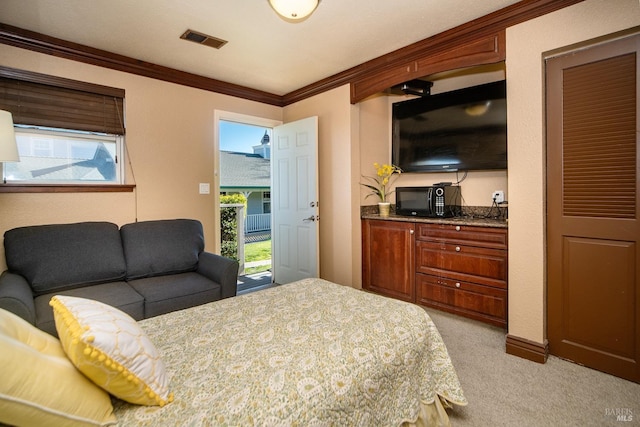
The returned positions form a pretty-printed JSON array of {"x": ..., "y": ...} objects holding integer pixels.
[
  {"x": 233, "y": 198},
  {"x": 229, "y": 225}
]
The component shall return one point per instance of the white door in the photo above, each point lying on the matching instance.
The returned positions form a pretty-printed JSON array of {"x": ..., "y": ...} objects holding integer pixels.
[{"x": 294, "y": 203}]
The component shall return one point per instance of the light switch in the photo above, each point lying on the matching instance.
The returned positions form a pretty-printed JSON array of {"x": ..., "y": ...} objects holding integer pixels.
[{"x": 204, "y": 188}]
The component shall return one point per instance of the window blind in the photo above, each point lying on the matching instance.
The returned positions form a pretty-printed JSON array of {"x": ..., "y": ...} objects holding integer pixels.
[{"x": 41, "y": 100}]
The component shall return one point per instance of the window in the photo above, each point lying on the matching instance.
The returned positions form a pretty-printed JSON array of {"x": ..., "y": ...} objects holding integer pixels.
[
  {"x": 65, "y": 157},
  {"x": 266, "y": 202},
  {"x": 67, "y": 131}
]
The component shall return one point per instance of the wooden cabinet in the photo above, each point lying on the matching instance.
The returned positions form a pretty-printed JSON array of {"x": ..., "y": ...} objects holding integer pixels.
[
  {"x": 388, "y": 252},
  {"x": 463, "y": 269},
  {"x": 425, "y": 59},
  {"x": 457, "y": 268}
]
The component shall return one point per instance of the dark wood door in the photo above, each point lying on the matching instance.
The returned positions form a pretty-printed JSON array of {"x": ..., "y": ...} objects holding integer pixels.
[
  {"x": 388, "y": 258},
  {"x": 593, "y": 287}
]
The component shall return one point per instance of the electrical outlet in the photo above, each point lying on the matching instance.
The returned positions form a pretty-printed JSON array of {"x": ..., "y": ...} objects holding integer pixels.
[{"x": 498, "y": 196}]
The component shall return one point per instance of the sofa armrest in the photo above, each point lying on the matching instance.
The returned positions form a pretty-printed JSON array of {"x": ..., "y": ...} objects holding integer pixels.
[
  {"x": 16, "y": 296},
  {"x": 221, "y": 270}
]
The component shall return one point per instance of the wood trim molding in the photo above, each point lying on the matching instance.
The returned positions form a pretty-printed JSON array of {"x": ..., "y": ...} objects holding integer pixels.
[
  {"x": 37, "y": 42},
  {"x": 66, "y": 188},
  {"x": 487, "y": 49},
  {"x": 449, "y": 40},
  {"x": 526, "y": 349},
  {"x": 438, "y": 44}
]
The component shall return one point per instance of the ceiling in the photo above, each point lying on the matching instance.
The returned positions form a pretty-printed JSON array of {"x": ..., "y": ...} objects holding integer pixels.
[{"x": 263, "y": 52}]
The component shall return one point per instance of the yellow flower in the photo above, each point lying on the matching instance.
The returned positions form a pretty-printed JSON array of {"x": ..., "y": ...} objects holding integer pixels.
[{"x": 384, "y": 175}]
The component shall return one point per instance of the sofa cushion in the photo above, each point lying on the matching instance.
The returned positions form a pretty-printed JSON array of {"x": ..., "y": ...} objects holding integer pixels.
[
  {"x": 154, "y": 248},
  {"x": 64, "y": 256},
  {"x": 164, "y": 294},
  {"x": 116, "y": 294}
]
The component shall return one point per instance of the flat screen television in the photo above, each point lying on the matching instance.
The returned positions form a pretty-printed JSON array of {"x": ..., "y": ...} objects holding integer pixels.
[{"x": 461, "y": 130}]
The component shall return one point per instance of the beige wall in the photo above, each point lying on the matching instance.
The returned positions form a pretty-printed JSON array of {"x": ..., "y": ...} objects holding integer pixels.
[
  {"x": 170, "y": 139},
  {"x": 339, "y": 204},
  {"x": 526, "y": 47}
]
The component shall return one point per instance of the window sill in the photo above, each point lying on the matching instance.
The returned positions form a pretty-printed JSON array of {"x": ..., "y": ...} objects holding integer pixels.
[{"x": 66, "y": 188}]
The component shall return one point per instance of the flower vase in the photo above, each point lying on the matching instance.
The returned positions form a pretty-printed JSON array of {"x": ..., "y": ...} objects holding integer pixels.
[{"x": 383, "y": 208}]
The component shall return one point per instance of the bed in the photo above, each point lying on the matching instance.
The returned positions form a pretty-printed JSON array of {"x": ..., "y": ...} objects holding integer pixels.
[{"x": 309, "y": 353}]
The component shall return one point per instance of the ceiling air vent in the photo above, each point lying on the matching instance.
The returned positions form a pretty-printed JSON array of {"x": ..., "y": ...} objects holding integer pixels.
[{"x": 204, "y": 39}]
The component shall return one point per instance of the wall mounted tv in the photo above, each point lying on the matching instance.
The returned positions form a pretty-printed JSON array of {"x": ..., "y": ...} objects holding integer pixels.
[{"x": 461, "y": 130}]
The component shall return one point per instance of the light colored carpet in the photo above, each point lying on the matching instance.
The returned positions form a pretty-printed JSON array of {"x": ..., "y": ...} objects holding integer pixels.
[{"x": 505, "y": 390}]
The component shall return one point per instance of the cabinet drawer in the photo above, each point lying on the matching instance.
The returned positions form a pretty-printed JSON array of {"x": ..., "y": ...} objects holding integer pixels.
[
  {"x": 466, "y": 263},
  {"x": 469, "y": 299},
  {"x": 488, "y": 237}
]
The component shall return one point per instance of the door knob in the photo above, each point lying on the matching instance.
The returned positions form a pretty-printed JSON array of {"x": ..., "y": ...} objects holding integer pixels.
[{"x": 311, "y": 218}]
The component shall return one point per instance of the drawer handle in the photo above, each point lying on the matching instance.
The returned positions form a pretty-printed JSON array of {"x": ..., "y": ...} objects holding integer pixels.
[
  {"x": 457, "y": 228},
  {"x": 457, "y": 284},
  {"x": 457, "y": 248},
  {"x": 410, "y": 231}
]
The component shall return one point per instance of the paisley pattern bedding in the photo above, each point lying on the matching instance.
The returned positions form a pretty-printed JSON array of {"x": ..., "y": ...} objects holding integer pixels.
[{"x": 309, "y": 353}]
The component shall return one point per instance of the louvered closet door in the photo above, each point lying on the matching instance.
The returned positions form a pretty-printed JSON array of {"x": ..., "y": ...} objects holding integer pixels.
[{"x": 593, "y": 288}]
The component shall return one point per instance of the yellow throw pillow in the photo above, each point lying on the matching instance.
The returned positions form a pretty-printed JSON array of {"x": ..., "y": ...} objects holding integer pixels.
[
  {"x": 40, "y": 386},
  {"x": 110, "y": 348}
]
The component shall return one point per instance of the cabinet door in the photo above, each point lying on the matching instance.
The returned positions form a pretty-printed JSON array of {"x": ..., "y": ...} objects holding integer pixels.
[{"x": 388, "y": 265}]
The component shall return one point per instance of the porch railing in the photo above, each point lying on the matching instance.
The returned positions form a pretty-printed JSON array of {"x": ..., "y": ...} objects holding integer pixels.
[{"x": 258, "y": 222}]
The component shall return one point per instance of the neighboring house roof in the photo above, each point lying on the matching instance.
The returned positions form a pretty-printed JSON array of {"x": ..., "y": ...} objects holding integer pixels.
[
  {"x": 57, "y": 169},
  {"x": 244, "y": 171}
]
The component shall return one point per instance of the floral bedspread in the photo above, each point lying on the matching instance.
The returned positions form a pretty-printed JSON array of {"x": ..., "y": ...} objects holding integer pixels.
[{"x": 310, "y": 353}]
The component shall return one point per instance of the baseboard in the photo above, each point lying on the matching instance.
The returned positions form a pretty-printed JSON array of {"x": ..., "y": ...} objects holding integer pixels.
[{"x": 526, "y": 349}]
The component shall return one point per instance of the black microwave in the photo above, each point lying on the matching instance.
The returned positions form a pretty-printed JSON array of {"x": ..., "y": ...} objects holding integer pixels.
[{"x": 439, "y": 201}]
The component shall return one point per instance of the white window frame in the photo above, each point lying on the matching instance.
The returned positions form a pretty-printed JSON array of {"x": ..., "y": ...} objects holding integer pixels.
[
  {"x": 266, "y": 200},
  {"x": 79, "y": 136}
]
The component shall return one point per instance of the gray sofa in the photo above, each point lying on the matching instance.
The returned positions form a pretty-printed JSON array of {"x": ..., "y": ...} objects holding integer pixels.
[{"x": 144, "y": 269}]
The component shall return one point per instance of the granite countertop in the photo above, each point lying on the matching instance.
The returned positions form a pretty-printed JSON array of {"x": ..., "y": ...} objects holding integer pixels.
[{"x": 476, "y": 217}]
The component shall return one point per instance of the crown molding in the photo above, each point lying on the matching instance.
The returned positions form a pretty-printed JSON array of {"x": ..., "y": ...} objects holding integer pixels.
[
  {"x": 42, "y": 43},
  {"x": 447, "y": 40}
]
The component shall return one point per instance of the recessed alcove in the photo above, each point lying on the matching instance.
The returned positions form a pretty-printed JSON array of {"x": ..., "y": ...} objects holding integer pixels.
[{"x": 375, "y": 134}]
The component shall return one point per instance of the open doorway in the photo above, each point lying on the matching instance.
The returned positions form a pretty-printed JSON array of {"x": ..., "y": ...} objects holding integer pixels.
[{"x": 244, "y": 145}]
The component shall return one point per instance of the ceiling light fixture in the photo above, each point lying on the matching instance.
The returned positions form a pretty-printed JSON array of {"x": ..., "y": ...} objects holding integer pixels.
[{"x": 294, "y": 10}]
